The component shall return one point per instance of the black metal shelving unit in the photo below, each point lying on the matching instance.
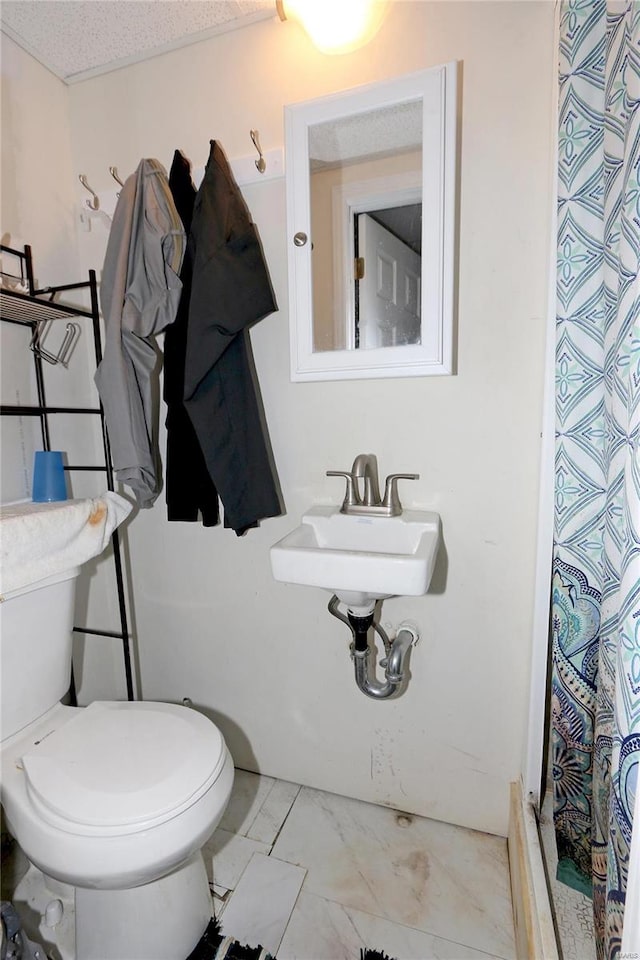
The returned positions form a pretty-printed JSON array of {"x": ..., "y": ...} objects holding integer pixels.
[{"x": 30, "y": 309}]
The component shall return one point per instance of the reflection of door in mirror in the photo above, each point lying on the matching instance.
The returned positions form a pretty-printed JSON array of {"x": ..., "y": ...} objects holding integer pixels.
[
  {"x": 387, "y": 277},
  {"x": 337, "y": 196},
  {"x": 357, "y": 164}
]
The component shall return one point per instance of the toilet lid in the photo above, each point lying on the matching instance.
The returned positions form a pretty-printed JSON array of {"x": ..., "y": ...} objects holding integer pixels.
[{"x": 118, "y": 764}]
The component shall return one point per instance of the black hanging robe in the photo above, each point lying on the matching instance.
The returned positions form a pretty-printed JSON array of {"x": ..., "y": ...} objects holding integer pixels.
[
  {"x": 189, "y": 488},
  {"x": 230, "y": 291}
]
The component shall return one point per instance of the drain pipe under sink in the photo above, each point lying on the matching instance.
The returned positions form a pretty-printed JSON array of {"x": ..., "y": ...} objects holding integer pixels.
[{"x": 364, "y": 656}]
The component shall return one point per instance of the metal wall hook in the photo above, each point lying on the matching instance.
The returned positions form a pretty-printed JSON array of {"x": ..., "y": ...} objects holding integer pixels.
[
  {"x": 261, "y": 164},
  {"x": 114, "y": 173},
  {"x": 92, "y": 204}
]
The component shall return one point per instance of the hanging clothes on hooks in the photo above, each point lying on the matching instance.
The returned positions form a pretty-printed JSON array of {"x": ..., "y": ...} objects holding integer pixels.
[
  {"x": 139, "y": 294},
  {"x": 230, "y": 291},
  {"x": 189, "y": 489}
]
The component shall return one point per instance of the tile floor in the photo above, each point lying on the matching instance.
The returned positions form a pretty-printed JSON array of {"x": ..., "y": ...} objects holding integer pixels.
[{"x": 315, "y": 876}]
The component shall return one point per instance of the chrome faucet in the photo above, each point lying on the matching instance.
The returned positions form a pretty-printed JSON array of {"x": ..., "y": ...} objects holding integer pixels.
[
  {"x": 370, "y": 503},
  {"x": 365, "y": 467}
]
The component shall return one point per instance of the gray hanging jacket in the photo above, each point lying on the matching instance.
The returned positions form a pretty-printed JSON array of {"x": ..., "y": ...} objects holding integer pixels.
[{"x": 139, "y": 294}]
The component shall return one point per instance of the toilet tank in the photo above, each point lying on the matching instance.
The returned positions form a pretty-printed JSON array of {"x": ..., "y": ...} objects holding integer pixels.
[{"x": 36, "y": 625}]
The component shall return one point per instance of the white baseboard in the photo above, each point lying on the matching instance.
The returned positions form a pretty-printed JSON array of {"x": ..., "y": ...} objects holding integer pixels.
[{"x": 532, "y": 914}]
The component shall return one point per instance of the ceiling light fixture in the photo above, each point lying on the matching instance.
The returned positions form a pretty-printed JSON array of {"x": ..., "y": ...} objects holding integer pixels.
[{"x": 335, "y": 26}]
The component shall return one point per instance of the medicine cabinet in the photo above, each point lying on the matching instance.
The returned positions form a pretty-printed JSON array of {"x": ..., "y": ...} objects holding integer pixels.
[{"x": 371, "y": 176}]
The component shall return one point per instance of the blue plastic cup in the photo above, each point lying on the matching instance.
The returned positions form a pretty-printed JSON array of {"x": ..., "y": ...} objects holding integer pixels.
[{"x": 49, "y": 481}]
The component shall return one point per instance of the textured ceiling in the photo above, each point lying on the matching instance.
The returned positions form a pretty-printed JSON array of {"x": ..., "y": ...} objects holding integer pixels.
[{"x": 76, "y": 39}]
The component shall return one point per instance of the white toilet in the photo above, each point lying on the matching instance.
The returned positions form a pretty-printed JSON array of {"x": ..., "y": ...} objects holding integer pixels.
[{"x": 115, "y": 799}]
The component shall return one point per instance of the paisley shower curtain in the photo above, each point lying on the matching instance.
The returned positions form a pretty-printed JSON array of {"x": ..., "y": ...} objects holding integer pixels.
[{"x": 596, "y": 572}]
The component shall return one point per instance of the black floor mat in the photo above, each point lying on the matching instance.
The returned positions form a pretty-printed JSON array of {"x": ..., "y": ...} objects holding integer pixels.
[{"x": 213, "y": 946}]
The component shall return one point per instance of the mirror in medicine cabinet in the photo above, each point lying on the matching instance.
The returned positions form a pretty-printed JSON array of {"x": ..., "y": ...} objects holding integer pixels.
[{"x": 370, "y": 216}]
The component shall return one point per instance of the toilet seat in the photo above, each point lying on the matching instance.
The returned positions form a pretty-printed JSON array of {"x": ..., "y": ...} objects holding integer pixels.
[{"x": 121, "y": 767}]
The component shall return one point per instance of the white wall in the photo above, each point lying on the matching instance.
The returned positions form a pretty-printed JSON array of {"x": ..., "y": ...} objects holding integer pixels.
[
  {"x": 265, "y": 659},
  {"x": 39, "y": 207},
  {"x": 36, "y": 165},
  {"x": 36, "y": 208}
]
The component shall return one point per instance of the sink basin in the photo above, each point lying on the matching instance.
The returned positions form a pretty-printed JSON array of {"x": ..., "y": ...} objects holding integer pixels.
[{"x": 360, "y": 558}]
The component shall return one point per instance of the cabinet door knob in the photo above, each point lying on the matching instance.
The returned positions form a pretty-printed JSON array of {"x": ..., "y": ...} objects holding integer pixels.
[{"x": 300, "y": 239}]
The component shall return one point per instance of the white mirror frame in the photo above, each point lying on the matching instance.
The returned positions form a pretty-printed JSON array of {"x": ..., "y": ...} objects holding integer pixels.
[{"x": 436, "y": 87}]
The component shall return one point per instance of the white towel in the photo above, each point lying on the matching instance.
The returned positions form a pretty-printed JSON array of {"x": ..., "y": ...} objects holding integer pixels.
[{"x": 38, "y": 540}]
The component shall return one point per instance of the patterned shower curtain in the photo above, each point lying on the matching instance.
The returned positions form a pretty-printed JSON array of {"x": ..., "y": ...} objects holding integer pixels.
[{"x": 596, "y": 574}]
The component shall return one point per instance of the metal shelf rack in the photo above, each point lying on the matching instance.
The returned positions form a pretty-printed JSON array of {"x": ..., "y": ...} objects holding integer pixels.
[{"x": 28, "y": 307}]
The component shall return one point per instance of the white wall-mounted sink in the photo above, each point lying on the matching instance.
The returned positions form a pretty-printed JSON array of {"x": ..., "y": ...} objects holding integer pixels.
[{"x": 360, "y": 558}]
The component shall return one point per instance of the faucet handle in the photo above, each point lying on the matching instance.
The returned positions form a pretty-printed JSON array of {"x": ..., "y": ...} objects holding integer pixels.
[
  {"x": 351, "y": 496},
  {"x": 391, "y": 500}
]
